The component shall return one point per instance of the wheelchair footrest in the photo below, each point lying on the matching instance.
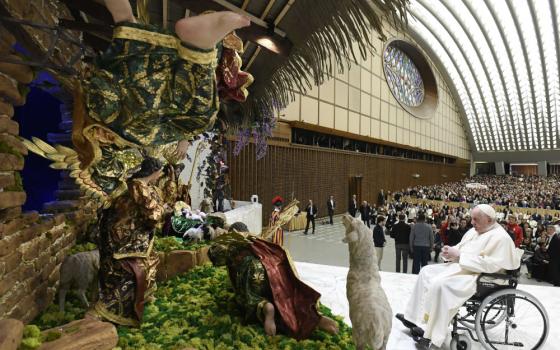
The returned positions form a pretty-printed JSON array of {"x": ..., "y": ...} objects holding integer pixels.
[{"x": 422, "y": 341}]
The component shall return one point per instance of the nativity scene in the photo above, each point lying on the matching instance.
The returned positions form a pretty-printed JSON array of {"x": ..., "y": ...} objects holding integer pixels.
[{"x": 156, "y": 231}]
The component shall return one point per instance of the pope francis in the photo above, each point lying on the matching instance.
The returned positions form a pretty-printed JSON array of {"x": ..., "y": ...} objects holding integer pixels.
[{"x": 442, "y": 289}]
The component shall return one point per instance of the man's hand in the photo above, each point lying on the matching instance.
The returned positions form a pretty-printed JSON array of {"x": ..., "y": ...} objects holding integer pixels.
[{"x": 450, "y": 253}]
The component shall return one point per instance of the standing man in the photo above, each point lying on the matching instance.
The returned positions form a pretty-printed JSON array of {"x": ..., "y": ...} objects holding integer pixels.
[
  {"x": 552, "y": 245},
  {"x": 353, "y": 206},
  {"x": 379, "y": 239},
  {"x": 401, "y": 233},
  {"x": 330, "y": 208},
  {"x": 421, "y": 243},
  {"x": 381, "y": 198},
  {"x": 364, "y": 213},
  {"x": 311, "y": 211}
]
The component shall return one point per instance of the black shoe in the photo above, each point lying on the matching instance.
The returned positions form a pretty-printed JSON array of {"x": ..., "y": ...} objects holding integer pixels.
[
  {"x": 406, "y": 322},
  {"x": 313, "y": 232},
  {"x": 305, "y": 233}
]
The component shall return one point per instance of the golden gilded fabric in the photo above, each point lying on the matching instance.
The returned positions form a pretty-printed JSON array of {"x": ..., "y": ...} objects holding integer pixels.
[
  {"x": 151, "y": 89},
  {"x": 247, "y": 274},
  {"x": 127, "y": 259},
  {"x": 261, "y": 272}
]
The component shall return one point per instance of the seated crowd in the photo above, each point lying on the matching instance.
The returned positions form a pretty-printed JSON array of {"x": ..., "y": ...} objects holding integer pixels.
[{"x": 507, "y": 190}]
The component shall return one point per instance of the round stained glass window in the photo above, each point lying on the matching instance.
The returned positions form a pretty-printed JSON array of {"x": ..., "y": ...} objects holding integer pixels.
[{"x": 403, "y": 77}]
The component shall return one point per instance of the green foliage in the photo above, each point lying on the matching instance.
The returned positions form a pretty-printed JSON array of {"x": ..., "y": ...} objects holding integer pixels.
[
  {"x": 31, "y": 331},
  {"x": 167, "y": 244},
  {"x": 198, "y": 310},
  {"x": 51, "y": 336},
  {"x": 31, "y": 338},
  {"x": 84, "y": 247},
  {"x": 29, "y": 343},
  {"x": 52, "y": 317}
]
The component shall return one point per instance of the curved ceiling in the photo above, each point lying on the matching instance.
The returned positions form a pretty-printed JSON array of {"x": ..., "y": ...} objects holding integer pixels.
[{"x": 502, "y": 58}]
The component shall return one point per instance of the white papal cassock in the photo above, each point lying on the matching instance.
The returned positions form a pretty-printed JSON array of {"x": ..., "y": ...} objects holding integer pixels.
[{"x": 442, "y": 289}]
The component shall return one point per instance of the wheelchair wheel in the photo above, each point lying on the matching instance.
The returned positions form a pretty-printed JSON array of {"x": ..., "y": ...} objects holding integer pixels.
[
  {"x": 495, "y": 316},
  {"x": 523, "y": 321},
  {"x": 460, "y": 342}
]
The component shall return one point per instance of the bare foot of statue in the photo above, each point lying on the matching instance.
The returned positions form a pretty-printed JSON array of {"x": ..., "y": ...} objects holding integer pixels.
[
  {"x": 328, "y": 325},
  {"x": 205, "y": 31},
  {"x": 269, "y": 323},
  {"x": 120, "y": 10}
]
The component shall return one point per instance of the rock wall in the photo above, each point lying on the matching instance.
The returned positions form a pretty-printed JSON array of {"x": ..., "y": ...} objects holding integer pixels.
[{"x": 32, "y": 246}]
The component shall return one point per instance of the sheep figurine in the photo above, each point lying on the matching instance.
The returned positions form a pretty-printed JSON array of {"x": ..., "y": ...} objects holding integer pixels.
[
  {"x": 370, "y": 311},
  {"x": 194, "y": 234},
  {"x": 78, "y": 271}
]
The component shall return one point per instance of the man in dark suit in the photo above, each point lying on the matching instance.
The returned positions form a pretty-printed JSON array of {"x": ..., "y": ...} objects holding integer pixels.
[
  {"x": 353, "y": 206},
  {"x": 311, "y": 211},
  {"x": 364, "y": 212},
  {"x": 331, "y": 204},
  {"x": 553, "y": 250},
  {"x": 401, "y": 233},
  {"x": 381, "y": 198}
]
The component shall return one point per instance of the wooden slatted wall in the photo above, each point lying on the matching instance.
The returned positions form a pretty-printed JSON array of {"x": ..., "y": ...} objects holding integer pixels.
[{"x": 315, "y": 173}]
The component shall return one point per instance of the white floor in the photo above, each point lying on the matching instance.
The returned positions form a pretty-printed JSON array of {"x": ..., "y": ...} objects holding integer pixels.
[{"x": 330, "y": 281}]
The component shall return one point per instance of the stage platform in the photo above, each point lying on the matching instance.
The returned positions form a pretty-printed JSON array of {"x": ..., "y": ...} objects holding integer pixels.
[{"x": 330, "y": 281}]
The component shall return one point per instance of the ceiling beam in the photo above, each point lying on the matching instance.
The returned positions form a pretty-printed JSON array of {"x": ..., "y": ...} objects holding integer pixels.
[
  {"x": 258, "y": 50},
  {"x": 91, "y": 8},
  {"x": 483, "y": 140},
  {"x": 511, "y": 62},
  {"x": 465, "y": 56},
  {"x": 528, "y": 66},
  {"x": 557, "y": 45},
  {"x": 500, "y": 72},
  {"x": 543, "y": 66},
  {"x": 254, "y": 19},
  {"x": 421, "y": 21},
  {"x": 258, "y": 31},
  {"x": 453, "y": 12}
]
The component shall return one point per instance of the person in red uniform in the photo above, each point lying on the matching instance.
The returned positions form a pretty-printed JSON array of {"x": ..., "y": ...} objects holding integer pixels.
[{"x": 516, "y": 229}]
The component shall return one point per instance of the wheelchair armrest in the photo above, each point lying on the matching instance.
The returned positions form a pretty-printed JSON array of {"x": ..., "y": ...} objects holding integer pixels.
[
  {"x": 484, "y": 280},
  {"x": 509, "y": 274},
  {"x": 502, "y": 276}
]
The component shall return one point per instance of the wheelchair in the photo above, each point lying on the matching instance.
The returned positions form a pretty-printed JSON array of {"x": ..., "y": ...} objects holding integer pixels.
[{"x": 501, "y": 316}]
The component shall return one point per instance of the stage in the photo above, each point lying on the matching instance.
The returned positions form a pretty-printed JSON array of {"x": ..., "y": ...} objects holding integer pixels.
[{"x": 330, "y": 281}]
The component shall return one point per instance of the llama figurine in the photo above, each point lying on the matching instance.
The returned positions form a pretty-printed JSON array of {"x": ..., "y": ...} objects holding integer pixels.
[{"x": 370, "y": 311}]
